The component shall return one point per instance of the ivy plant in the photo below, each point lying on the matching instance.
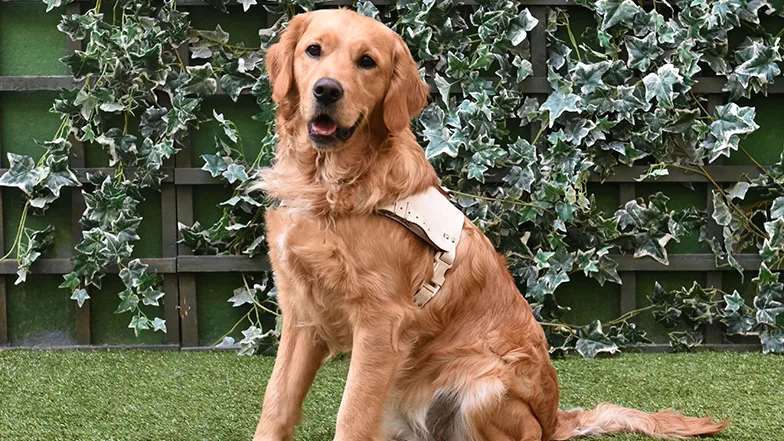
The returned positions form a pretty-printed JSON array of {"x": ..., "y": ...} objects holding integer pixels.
[{"x": 519, "y": 165}]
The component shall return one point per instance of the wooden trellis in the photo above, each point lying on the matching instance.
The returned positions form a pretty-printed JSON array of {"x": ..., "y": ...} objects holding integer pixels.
[{"x": 179, "y": 268}]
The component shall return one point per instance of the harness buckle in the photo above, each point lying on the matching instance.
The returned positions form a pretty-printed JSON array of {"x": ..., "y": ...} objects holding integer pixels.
[{"x": 443, "y": 261}]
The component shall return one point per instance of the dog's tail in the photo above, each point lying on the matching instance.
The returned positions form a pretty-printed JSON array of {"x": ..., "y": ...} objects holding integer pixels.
[{"x": 608, "y": 418}]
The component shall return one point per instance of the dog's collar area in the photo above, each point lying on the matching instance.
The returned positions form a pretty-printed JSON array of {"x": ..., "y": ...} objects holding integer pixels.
[{"x": 431, "y": 216}]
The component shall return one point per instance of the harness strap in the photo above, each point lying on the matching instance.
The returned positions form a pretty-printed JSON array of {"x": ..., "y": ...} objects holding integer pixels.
[{"x": 431, "y": 216}]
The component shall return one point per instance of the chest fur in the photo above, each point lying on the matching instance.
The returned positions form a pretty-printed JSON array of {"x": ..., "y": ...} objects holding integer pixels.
[{"x": 341, "y": 269}]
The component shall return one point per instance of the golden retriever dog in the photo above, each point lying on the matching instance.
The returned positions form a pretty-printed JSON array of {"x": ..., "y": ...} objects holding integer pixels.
[{"x": 470, "y": 365}]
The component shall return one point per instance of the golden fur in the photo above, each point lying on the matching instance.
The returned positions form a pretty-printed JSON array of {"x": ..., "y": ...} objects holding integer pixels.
[{"x": 473, "y": 364}]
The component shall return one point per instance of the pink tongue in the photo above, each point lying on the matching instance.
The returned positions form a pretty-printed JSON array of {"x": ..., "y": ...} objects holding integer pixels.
[{"x": 324, "y": 128}]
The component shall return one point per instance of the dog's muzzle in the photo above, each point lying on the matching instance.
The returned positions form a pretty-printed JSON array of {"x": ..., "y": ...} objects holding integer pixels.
[{"x": 324, "y": 131}]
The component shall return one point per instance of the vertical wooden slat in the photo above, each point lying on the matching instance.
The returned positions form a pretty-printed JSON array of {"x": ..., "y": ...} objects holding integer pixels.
[
  {"x": 538, "y": 38},
  {"x": 189, "y": 326},
  {"x": 169, "y": 248},
  {"x": 628, "y": 278},
  {"x": 171, "y": 298},
  {"x": 714, "y": 333},
  {"x": 3, "y": 299},
  {"x": 77, "y": 160},
  {"x": 3, "y": 314}
]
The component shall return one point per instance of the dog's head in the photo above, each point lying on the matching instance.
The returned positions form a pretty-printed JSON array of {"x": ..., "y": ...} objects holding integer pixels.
[{"x": 341, "y": 72}]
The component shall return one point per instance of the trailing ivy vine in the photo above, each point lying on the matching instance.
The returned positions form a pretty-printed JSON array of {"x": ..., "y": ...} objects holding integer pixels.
[{"x": 622, "y": 94}]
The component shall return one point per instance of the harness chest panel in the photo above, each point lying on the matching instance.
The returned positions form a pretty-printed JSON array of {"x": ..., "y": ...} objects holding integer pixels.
[{"x": 432, "y": 217}]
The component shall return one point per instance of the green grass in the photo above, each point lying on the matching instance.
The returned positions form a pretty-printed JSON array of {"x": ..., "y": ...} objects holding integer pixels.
[{"x": 172, "y": 396}]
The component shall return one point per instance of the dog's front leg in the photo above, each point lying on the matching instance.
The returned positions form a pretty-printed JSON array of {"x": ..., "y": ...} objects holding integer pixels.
[
  {"x": 376, "y": 356},
  {"x": 299, "y": 357}
]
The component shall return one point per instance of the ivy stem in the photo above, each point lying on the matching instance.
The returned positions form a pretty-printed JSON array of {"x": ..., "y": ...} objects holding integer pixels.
[
  {"x": 228, "y": 46},
  {"x": 629, "y": 315},
  {"x": 749, "y": 222},
  {"x": 740, "y": 147},
  {"x": 760, "y": 166},
  {"x": 571, "y": 35},
  {"x": 18, "y": 238},
  {"x": 23, "y": 218},
  {"x": 114, "y": 12},
  {"x": 246, "y": 316},
  {"x": 541, "y": 130},
  {"x": 557, "y": 325}
]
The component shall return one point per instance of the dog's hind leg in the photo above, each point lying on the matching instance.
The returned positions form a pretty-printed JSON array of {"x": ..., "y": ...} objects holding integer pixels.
[{"x": 513, "y": 420}]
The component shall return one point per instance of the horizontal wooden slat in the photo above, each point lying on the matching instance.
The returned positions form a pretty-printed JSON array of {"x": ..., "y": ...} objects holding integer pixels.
[
  {"x": 194, "y": 176},
  {"x": 684, "y": 262},
  {"x": 81, "y": 173},
  {"x": 64, "y": 266},
  {"x": 720, "y": 173},
  {"x": 532, "y": 85},
  {"x": 33, "y": 83},
  {"x": 622, "y": 173},
  {"x": 219, "y": 264}
]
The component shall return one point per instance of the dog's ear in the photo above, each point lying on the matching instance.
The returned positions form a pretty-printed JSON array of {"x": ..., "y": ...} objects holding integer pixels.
[
  {"x": 280, "y": 57},
  {"x": 407, "y": 93}
]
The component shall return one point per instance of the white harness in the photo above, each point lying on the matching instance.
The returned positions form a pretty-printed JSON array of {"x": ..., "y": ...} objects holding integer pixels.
[{"x": 431, "y": 216}]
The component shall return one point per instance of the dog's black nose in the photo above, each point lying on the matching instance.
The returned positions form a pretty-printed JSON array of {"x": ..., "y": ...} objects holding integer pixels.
[{"x": 327, "y": 91}]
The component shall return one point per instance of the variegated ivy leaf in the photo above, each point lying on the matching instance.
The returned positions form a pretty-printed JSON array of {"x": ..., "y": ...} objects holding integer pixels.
[
  {"x": 23, "y": 174},
  {"x": 159, "y": 324},
  {"x": 661, "y": 85},
  {"x": 441, "y": 140},
  {"x": 132, "y": 272},
  {"x": 777, "y": 209},
  {"x": 520, "y": 26},
  {"x": 35, "y": 243},
  {"x": 246, "y": 4},
  {"x": 560, "y": 101},
  {"x": 593, "y": 341},
  {"x": 775, "y": 231},
  {"x": 738, "y": 191},
  {"x": 215, "y": 164},
  {"x": 631, "y": 99},
  {"x": 235, "y": 173},
  {"x": 150, "y": 296},
  {"x": 589, "y": 76},
  {"x": 730, "y": 123},
  {"x": 772, "y": 341},
  {"x": 368, "y": 9},
  {"x": 80, "y": 295},
  {"x": 201, "y": 81},
  {"x": 614, "y": 12},
  {"x": 758, "y": 67},
  {"x": 721, "y": 212},
  {"x": 229, "y": 129},
  {"x": 642, "y": 51},
  {"x": 443, "y": 86},
  {"x": 139, "y": 323},
  {"x": 524, "y": 68}
]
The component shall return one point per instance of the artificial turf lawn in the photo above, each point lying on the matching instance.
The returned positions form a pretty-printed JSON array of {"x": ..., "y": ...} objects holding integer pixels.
[{"x": 172, "y": 396}]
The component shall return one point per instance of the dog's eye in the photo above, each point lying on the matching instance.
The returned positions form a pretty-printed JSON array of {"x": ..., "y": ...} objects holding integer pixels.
[
  {"x": 366, "y": 62},
  {"x": 314, "y": 50}
]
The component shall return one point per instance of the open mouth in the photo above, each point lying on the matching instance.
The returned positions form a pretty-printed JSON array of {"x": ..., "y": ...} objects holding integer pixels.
[{"x": 323, "y": 131}]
